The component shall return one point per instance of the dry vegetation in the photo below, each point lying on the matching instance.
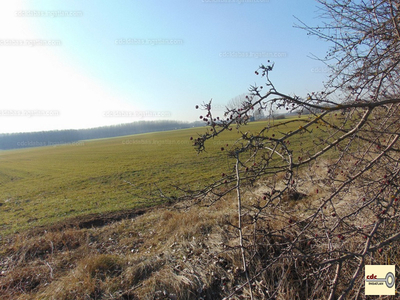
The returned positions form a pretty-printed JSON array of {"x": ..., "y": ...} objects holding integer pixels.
[
  {"x": 185, "y": 252},
  {"x": 313, "y": 204}
]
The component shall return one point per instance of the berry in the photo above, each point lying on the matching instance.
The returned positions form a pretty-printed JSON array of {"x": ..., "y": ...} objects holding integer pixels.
[
  {"x": 222, "y": 148},
  {"x": 197, "y": 107}
]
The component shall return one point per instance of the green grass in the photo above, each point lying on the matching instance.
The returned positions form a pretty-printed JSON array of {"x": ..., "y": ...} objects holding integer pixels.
[{"x": 40, "y": 186}]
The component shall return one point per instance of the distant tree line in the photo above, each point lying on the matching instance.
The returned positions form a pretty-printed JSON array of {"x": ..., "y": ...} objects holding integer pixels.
[{"x": 57, "y": 137}]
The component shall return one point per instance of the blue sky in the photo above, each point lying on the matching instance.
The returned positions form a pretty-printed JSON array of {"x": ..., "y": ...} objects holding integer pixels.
[{"x": 79, "y": 63}]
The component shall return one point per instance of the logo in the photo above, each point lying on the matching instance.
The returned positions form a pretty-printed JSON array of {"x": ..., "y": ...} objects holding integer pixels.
[{"x": 380, "y": 280}]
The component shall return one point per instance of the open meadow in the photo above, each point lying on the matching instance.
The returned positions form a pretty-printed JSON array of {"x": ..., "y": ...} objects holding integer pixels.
[
  {"x": 102, "y": 219},
  {"x": 43, "y": 185}
]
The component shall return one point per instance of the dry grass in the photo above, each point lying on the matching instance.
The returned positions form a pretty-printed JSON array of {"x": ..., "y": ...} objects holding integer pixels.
[
  {"x": 168, "y": 253},
  {"x": 165, "y": 252}
]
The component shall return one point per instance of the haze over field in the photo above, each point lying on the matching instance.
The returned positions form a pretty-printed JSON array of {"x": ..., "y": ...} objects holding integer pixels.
[{"x": 79, "y": 64}]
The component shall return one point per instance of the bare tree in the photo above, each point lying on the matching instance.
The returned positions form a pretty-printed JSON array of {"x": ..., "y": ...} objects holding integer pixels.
[
  {"x": 236, "y": 101},
  {"x": 350, "y": 131}
]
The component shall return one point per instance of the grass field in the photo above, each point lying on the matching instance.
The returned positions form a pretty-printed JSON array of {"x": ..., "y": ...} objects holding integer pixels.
[
  {"x": 83, "y": 221},
  {"x": 39, "y": 186}
]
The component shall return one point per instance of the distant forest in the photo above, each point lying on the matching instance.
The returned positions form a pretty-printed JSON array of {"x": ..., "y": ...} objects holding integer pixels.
[{"x": 72, "y": 136}]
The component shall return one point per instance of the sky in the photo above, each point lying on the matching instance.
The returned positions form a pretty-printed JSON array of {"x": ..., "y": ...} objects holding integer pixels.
[{"x": 70, "y": 64}]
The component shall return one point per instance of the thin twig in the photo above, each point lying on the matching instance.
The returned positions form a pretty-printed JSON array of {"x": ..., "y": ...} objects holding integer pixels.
[{"x": 240, "y": 225}]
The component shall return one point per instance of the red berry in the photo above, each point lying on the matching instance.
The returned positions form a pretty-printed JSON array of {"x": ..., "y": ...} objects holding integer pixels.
[
  {"x": 222, "y": 148},
  {"x": 191, "y": 138},
  {"x": 380, "y": 250},
  {"x": 265, "y": 198},
  {"x": 333, "y": 214}
]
